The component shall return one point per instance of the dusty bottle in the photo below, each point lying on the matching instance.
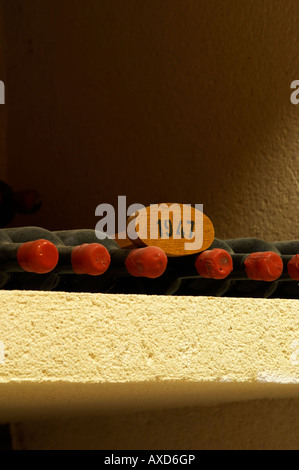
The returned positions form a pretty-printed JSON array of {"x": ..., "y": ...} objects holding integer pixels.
[
  {"x": 125, "y": 265},
  {"x": 92, "y": 260},
  {"x": 289, "y": 285},
  {"x": 206, "y": 273},
  {"x": 34, "y": 258},
  {"x": 257, "y": 267}
]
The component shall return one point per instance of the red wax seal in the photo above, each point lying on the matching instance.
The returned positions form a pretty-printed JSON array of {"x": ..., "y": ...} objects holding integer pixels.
[
  {"x": 90, "y": 258},
  {"x": 214, "y": 264},
  {"x": 40, "y": 256},
  {"x": 293, "y": 267},
  {"x": 263, "y": 266},
  {"x": 150, "y": 261}
]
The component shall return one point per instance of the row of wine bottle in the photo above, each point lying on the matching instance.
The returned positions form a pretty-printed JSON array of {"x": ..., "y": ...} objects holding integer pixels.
[{"x": 78, "y": 261}]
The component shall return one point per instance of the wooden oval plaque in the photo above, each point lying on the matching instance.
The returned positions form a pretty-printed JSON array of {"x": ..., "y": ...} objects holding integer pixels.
[{"x": 179, "y": 229}]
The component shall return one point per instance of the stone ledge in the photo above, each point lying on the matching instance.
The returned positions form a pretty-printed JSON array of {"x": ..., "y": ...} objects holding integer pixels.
[{"x": 104, "y": 353}]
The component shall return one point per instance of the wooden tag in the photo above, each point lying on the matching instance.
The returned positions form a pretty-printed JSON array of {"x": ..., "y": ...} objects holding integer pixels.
[{"x": 178, "y": 229}]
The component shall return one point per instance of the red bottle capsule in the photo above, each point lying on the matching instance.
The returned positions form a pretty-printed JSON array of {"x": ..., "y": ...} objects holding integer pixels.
[
  {"x": 263, "y": 266},
  {"x": 90, "y": 258},
  {"x": 150, "y": 262},
  {"x": 293, "y": 268},
  {"x": 39, "y": 256},
  {"x": 214, "y": 264}
]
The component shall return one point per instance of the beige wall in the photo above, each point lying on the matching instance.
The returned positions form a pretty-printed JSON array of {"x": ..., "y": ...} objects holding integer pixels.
[{"x": 174, "y": 100}]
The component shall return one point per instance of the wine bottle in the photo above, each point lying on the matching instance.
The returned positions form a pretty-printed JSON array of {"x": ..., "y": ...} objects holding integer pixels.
[
  {"x": 35, "y": 257},
  {"x": 195, "y": 274},
  {"x": 39, "y": 256},
  {"x": 167, "y": 284},
  {"x": 92, "y": 259},
  {"x": 33, "y": 280},
  {"x": 88, "y": 259},
  {"x": 139, "y": 262},
  {"x": 257, "y": 267},
  {"x": 206, "y": 273},
  {"x": 126, "y": 265},
  {"x": 289, "y": 285}
]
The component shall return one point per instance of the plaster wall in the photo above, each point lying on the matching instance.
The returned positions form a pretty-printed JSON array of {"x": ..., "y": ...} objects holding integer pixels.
[{"x": 184, "y": 101}]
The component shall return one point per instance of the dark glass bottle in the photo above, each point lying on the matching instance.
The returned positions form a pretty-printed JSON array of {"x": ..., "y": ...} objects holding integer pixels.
[
  {"x": 139, "y": 262},
  {"x": 39, "y": 256},
  {"x": 125, "y": 267},
  {"x": 32, "y": 280},
  {"x": 289, "y": 283},
  {"x": 93, "y": 259},
  {"x": 148, "y": 265},
  {"x": 257, "y": 267},
  {"x": 25, "y": 259},
  {"x": 206, "y": 273}
]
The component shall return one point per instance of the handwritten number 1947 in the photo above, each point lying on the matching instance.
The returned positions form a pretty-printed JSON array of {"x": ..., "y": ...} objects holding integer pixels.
[{"x": 166, "y": 229}]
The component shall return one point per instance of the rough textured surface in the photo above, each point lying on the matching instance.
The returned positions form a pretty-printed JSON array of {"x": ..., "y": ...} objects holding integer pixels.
[
  {"x": 260, "y": 424},
  {"x": 103, "y": 353},
  {"x": 189, "y": 98}
]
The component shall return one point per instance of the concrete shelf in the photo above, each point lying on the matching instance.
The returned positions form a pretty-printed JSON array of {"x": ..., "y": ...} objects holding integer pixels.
[{"x": 102, "y": 353}]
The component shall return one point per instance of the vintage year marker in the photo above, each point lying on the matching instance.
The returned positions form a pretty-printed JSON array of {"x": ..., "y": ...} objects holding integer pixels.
[{"x": 178, "y": 229}]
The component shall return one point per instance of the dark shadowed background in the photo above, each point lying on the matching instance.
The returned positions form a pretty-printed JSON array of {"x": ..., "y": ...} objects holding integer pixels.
[{"x": 162, "y": 101}]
